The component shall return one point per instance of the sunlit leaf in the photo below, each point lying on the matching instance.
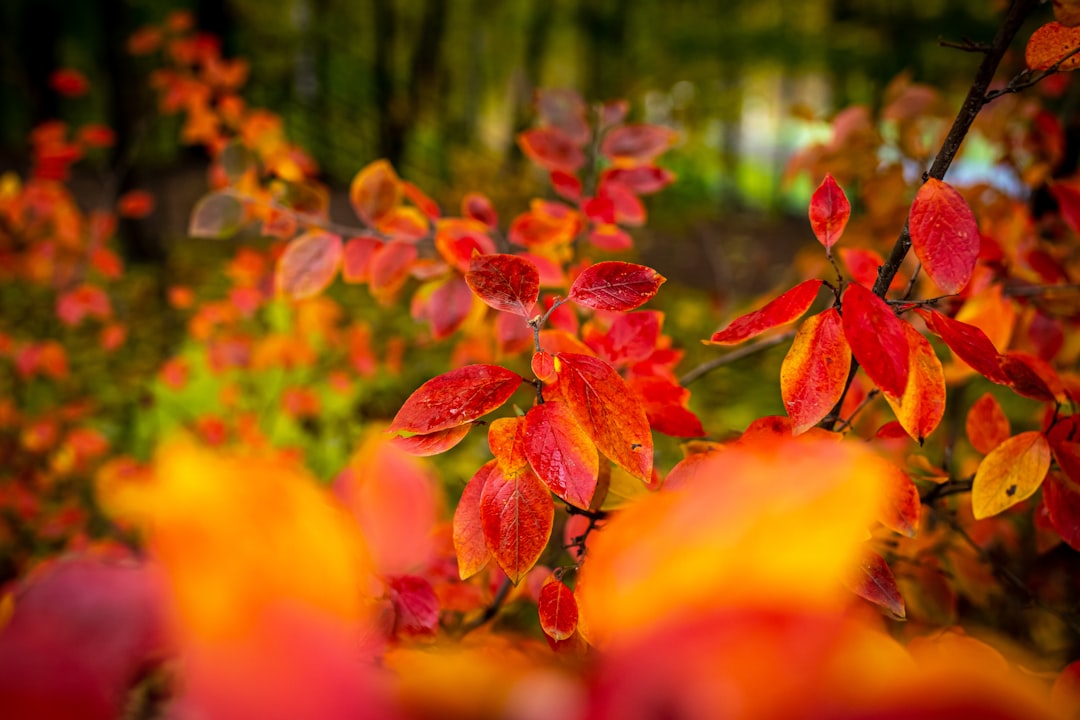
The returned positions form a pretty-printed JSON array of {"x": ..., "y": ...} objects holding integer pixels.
[
  {"x": 814, "y": 371},
  {"x": 506, "y": 438},
  {"x": 543, "y": 366},
  {"x": 786, "y": 308},
  {"x": 829, "y": 212},
  {"x": 1050, "y": 44},
  {"x": 557, "y": 609},
  {"x": 944, "y": 235},
  {"x": 455, "y": 398},
  {"x": 217, "y": 215},
  {"x": 877, "y": 339},
  {"x": 874, "y": 581},
  {"x": 607, "y": 410},
  {"x": 987, "y": 425},
  {"x": 375, "y": 191},
  {"x": 902, "y": 503},
  {"x": 1010, "y": 473},
  {"x": 614, "y": 285},
  {"x": 431, "y": 443},
  {"x": 517, "y": 515},
  {"x": 505, "y": 282},
  {"x": 560, "y": 453},
  {"x": 309, "y": 264},
  {"x": 922, "y": 404},
  {"x": 469, "y": 543}
]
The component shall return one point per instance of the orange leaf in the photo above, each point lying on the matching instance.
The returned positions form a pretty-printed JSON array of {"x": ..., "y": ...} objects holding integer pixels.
[
  {"x": 455, "y": 398},
  {"x": 608, "y": 411},
  {"x": 135, "y": 204},
  {"x": 903, "y": 505},
  {"x": 874, "y": 581},
  {"x": 1011, "y": 472},
  {"x": 516, "y": 516},
  {"x": 390, "y": 265},
  {"x": 944, "y": 235},
  {"x": 877, "y": 339},
  {"x": 557, "y": 609},
  {"x": 786, "y": 308},
  {"x": 505, "y": 282},
  {"x": 968, "y": 343},
  {"x": 357, "y": 256},
  {"x": 469, "y": 543},
  {"x": 425, "y": 204},
  {"x": 375, "y": 191},
  {"x": 431, "y": 443},
  {"x": 506, "y": 438},
  {"x": 458, "y": 239},
  {"x": 543, "y": 366},
  {"x": 216, "y": 215},
  {"x": 814, "y": 370},
  {"x": 551, "y": 149},
  {"x": 829, "y": 212},
  {"x": 922, "y": 404},
  {"x": 986, "y": 424},
  {"x": 637, "y": 143},
  {"x": 614, "y": 285},
  {"x": 561, "y": 453},
  {"x": 308, "y": 265},
  {"x": 1049, "y": 44}
]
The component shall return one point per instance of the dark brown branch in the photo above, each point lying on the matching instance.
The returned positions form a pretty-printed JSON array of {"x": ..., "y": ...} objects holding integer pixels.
[
  {"x": 491, "y": 610},
  {"x": 966, "y": 45},
  {"x": 1029, "y": 78},
  {"x": 945, "y": 489}
]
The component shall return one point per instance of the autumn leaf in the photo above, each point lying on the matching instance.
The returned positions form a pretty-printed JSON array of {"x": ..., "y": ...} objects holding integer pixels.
[
  {"x": 1050, "y": 44},
  {"x": 614, "y": 285},
  {"x": 416, "y": 607},
  {"x": 944, "y": 235},
  {"x": 543, "y": 366},
  {"x": 1062, "y": 499},
  {"x": 478, "y": 207},
  {"x": 551, "y": 149},
  {"x": 468, "y": 531},
  {"x": 637, "y": 143},
  {"x": 561, "y": 453},
  {"x": 968, "y": 343},
  {"x": 788, "y": 307},
  {"x": 516, "y": 515},
  {"x": 217, "y": 215},
  {"x": 506, "y": 438},
  {"x": 455, "y": 398},
  {"x": 375, "y": 191},
  {"x": 1010, "y": 473},
  {"x": 607, "y": 410},
  {"x": 505, "y": 282},
  {"x": 986, "y": 425},
  {"x": 135, "y": 204},
  {"x": 557, "y": 609},
  {"x": 390, "y": 265},
  {"x": 829, "y": 212},
  {"x": 922, "y": 404},
  {"x": 308, "y": 265},
  {"x": 814, "y": 371},
  {"x": 640, "y": 179},
  {"x": 873, "y": 580},
  {"x": 1032, "y": 377},
  {"x": 877, "y": 339},
  {"x": 431, "y": 443}
]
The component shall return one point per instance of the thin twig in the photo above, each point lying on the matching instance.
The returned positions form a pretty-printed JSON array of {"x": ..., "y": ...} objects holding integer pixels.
[
  {"x": 745, "y": 351},
  {"x": 1036, "y": 290},
  {"x": 491, "y": 610},
  {"x": 966, "y": 45},
  {"x": 945, "y": 489},
  {"x": 1029, "y": 78}
]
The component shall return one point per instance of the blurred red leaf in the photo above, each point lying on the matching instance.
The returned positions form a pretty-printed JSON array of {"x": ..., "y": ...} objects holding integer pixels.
[
  {"x": 551, "y": 149},
  {"x": 903, "y": 505},
  {"x": 986, "y": 424},
  {"x": 944, "y": 235},
  {"x": 641, "y": 179},
  {"x": 517, "y": 515},
  {"x": 479, "y": 208},
  {"x": 922, "y": 404},
  {"x": 415, "y": 604},
  {"x": 375, "y": 191},
  {"x": 561, "y": 453},
  {"x": 448, "y": 306},
  {"x": 611, "y": 238},
  {"x": 423, "y": 203},
  {"x": 786, "y": 308},
  {"x": 1010, "y": 473},
  {"x": 1032, "y": 377},
  {"x": 557, "y": 609},
  {"x": 829, "y": 212},
  {"x": 455, "y": 398},
  {"x": 85, "y": 301},
  {"x": 135, "y": 204},
  {"x": 468, "y": 531},
  {"x": 505, "y": 282},
  {"x": 1062, "y": 499},
  {"x": 357, "y": 256},
  {"x": 68, "y": 82},
  {"x": 814, "y": 371},
  {"x": 874, "y": 581},
  {"x": 309, "y": 264},
  {"x": 614, "y": 285},
  {"x": 390, "y": 265},
  {"x": 637, "y": 143},
  {"x": 566, "y": 185},
  {"x": 665, "y": 406}
]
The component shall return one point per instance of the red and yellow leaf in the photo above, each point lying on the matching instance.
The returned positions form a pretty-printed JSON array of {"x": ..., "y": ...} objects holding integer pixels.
[
  {"x": 543, "y": 366},
  {"x": 1050, "y": 44},
  {"x": 557, "y": 609},
  {"x": 968, "y": 343},
  {"x": 560, "y": 453},
  {"x": 874, "y": 581},
  {"x": 922, "y": 404},
  {"x": 1012, "y": 472},
  {"x": 516, "y": 515},
  {"x": 469, "y": 543},
  {"x": 877, "y": 339},
  {"x": 1062, "y": 499},
  {"x": 944, "y": 235},
  {"x": 506, "y": 438},
  {"x": 607, "y": 410},
  {"x": 357, "y": 256},
  {"x": 814, "y": 371},
  {"x": 986, "y": 424},
  {"x": 390, "y": 266},
  {"x": 614, "y": 285},
  {"x": 786, "y": 308},
  {"x": 505, "y": 282},
  {"x": 902, "y": 503},
  {"x": 308, "y": 265},
  {"x": 551, "y": 149},
  {"x": 431, "y": 443},
  {"x": 455, "y": 398},
  {"x": 637, "y": 143},
  {"x": 375, "y": 191},
  {"x": 829, "y": 212}
]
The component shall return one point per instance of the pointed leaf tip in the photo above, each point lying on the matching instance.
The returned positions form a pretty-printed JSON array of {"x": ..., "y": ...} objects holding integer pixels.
[
  {"x": 614, "y": 285},
  {"x": 829, "y": 212}
]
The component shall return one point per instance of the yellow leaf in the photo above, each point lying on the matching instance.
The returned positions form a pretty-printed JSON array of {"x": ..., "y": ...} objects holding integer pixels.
[{"x": 1012, "y": 472}]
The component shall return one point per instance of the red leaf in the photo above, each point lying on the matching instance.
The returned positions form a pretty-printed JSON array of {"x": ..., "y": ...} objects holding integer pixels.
[
  {"x": 566, "y": 184},
  {"x": 74, "y": 306},
  {"x": 448, "y": 306},
  {"x": 631, "y": 338},
  {"x": 614, "y": 285},
  {"x": 1062, "y": 499},
  {"x": 477, "y": 207},
  {"x": 135, "y": 204},
  {"x": 1012, "y": 472},
  {"x": 469, "y": 543},
  {"x": 829, "y": 212},
  {"x": 986, "y": 424},
  {"x": 610, "y": 237},
  {"x": 1067, "y": 455},
  {"x": 357, "y": 256},
  {"x": 505, "y": 282},
  {"x": 69, "y": 82},
  {"x": 874, "y": 581},
  {"x": 968, "y": 343},
  {"x": 561, "y": 453},
  {"x": 1049, "y": 44},
  {"x": 640, "y": 180},
  {"x": 517, "y": 515},
  {"x": 665, "y": 406},
  {"x": 814, "y": 371},
  {"x": 637, "y": 143},
  {"x": 628, "y": 208},
  {"x": 455, "y": 398},
  {"x": 415, "y": 604},
  {"x": 784, "y": 309},
  {"x": 506, "y": 438},
  {"x": 1031, "y": 376},
  {"x": 375, "y": 191},
  {"x": 862, "y": 265},
  {"x": 551, "y": 149},
  {"x": 390, "y": 266},
  {"x": 922, "y": 404},
  {"x": 944, "y": 235},
  {"x": 431, "y": 443},
  {"x": 557, "y": 609},
  {"x": 417, "y": 197},
  {"x": 607, "y": 410},
  {"x": 877, "y": 339},
  {"x": 308, "y": 264}
]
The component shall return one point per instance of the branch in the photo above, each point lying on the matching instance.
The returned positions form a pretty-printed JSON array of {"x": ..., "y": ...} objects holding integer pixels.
[
  {"x": 491, "y": 610},
  {"x": 966, "y": 45},
  {"x": 1028, "y": 78},
  {"x": 1037, "y": 290},
  {"x": 745, "y": 351},
  {"x": 951, "y": 487}
]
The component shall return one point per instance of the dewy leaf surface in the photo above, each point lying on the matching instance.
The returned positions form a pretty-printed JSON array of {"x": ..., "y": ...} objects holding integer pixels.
[
  {"x": 505, "y": 282},
  {"x": 468, "y": 530},
  {"x": 560, "y": 453},
  {"x": 614, "y": 285},
  {"x": 455, "y": 398},
  {"x": 506, "y": 438},
  {"x": 786, "y": 308},
  {"x": 607, "y": 410},
  {"x": 944, "y": 235},
  {"x": 814, "y": 370},
  {"x": 829, "y": 212},
  {"x": 557, "y": 609},
  {"x": 922, "y": 404},
  {"x": 309, "y": 264},
  {"x": 1012, "y": 472},
  {"x": 877, "y": 339},
  {"x": 517, "y": 515}
]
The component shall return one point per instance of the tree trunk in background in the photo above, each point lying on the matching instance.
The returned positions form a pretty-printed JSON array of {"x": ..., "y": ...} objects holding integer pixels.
[
  {"x": 36, "y": 40},
  {"x": 603, "y": 25},
  {"x": 391, "y": 121}
]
